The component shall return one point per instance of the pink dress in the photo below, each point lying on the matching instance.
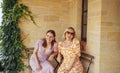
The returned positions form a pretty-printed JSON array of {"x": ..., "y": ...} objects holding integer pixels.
[{"x": 42, "y": 56}]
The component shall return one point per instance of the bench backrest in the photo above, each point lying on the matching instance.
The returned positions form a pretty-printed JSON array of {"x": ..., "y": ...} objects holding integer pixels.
[{"x": 86, "y": 60}]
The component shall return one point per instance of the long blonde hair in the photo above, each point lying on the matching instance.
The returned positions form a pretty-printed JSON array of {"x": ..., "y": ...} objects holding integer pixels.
[{"x": 67, "y": 30}]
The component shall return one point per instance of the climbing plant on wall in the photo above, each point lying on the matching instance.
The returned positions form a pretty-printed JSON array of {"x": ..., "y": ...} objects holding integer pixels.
[{"x": 11, "y": 46}]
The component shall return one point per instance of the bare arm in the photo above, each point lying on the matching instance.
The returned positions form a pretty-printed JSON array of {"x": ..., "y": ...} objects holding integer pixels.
[
  {"x": 59, "y": 57},
  {"x": 52, "y": 56},
  {"x": 36, "y": 59},
  {"x": 55, "y": 52}
]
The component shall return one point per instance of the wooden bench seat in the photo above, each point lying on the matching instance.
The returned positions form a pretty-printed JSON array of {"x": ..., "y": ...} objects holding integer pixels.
[{"x": 85, "y": 58}]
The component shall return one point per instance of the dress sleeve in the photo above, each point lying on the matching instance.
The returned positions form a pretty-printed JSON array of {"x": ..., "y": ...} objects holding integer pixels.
[
  {"x": 76, "y": 47},
  {"x": 38, "y": 44},
  {"x": 75, "y": 52},
  {"x": 55, "y": 47}
]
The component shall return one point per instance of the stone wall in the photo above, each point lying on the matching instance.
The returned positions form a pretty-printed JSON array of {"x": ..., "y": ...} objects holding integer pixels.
[
  {"x": 50, "y": 14},
  {"x": 103, "y": 33},
  {"x": 93, "y": 33},
  {"x": 110, "y": 37}
]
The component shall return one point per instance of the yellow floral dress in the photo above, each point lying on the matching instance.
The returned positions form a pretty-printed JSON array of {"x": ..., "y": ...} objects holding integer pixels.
[{"x": 71, "y": 62}]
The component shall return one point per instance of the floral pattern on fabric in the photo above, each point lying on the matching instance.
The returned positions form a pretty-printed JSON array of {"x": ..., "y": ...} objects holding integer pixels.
[{"x": 71, "y": 62}]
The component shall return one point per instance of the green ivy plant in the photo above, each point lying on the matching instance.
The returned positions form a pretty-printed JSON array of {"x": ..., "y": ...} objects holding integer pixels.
[{"x": 11, "y": 46}]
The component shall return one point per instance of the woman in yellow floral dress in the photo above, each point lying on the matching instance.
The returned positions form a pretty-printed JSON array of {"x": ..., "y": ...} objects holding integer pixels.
[{"x": 69, "y": 49}]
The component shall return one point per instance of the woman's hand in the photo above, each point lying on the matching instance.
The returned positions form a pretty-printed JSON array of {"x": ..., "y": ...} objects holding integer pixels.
[
  {"x": 51, "y": 57},
  {"x": 59, "y": 58},
  {"x": 39, "y": 67},
  {"x": 67, "y": 71}
]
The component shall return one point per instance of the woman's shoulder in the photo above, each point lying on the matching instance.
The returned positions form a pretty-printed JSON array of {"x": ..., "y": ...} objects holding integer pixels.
[
  {"x": 75, "y": 40},
  {"x": 40, "y": 41}
]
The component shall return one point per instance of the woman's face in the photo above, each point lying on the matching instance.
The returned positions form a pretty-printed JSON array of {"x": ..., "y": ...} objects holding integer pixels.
[
  {"x": 69, "y": 34},
  {"x": 49, "y": 37}
]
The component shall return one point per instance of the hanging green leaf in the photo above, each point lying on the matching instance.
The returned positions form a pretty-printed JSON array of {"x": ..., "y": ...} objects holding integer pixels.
[{"x": 11, "y": 46}]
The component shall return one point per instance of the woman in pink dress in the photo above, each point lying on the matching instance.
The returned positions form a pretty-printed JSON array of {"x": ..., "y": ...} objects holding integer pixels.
[{"x": 42, "y": 51}]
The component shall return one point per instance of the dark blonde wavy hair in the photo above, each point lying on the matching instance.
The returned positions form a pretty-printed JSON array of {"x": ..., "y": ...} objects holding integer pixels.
[{"x": 67, "y": 30}]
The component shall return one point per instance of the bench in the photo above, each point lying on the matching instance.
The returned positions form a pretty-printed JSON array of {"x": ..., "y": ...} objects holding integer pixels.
[{"x": 86, "y": 60}]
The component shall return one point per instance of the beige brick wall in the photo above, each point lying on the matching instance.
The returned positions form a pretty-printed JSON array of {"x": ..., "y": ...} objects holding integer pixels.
[
  {"x": 93, "y": 33},
  {"x": 103, "y": 33},
  {"x": 110, "y": 33},
  {"x": 50, "y": 14}
]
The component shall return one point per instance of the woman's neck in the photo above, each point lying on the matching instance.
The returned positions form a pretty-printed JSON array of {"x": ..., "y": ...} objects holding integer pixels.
[
  {"x": 68, "y": 40},
  {"x": 48, "y": 43}
]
